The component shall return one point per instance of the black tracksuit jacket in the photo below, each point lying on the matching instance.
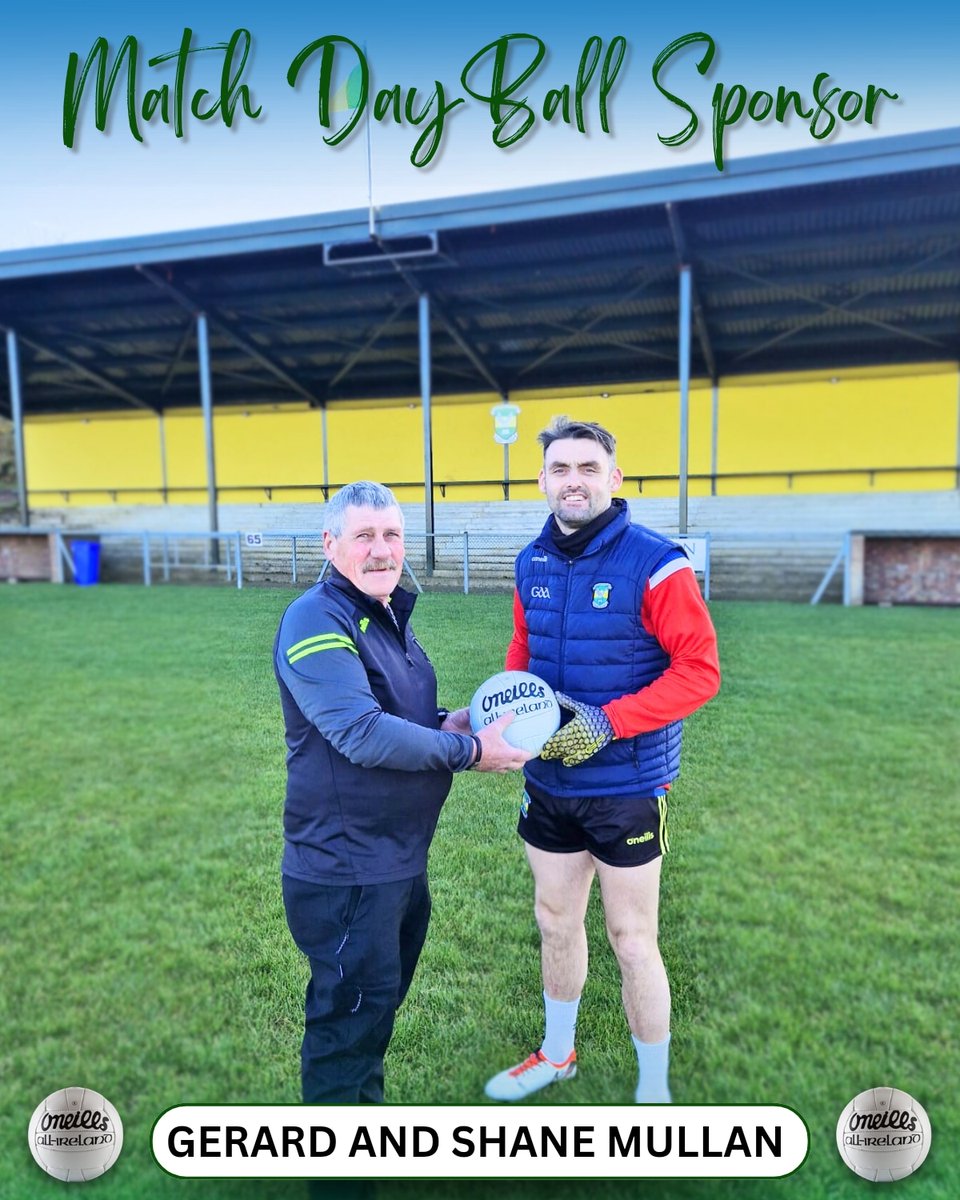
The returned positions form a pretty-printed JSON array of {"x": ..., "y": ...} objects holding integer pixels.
[{"x": 367, "y": 768}]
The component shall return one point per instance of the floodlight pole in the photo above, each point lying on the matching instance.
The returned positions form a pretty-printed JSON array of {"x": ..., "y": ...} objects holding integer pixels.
[
  {"x": 686, "y": 308},
  {"x": 425, "y": 384},
  {"x": 206, "y": 400},
  {"x": 16, "y": 411}
]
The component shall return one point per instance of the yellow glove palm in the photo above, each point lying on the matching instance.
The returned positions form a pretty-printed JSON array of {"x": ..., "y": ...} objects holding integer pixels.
[{"x": 589, "y": 731}]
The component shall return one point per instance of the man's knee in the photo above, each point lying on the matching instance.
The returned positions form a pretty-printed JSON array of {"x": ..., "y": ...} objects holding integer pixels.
[
  {"x": 636, "y": 948},
  {"x": 556, "y": 917}
]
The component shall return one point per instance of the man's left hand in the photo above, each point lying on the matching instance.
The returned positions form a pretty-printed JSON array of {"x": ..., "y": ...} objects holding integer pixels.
[
  {"x": 456, "y": 722},
  {"x": 589, "y": 731}
]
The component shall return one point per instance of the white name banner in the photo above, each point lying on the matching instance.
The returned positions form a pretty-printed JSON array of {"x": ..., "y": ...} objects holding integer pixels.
[{"x": 449, "y": 1141}]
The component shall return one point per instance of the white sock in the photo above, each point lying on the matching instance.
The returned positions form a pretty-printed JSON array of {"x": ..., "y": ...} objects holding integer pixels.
[
  {"x": 560, "y": 1026},
  {"x": 653, "y": 1059}
]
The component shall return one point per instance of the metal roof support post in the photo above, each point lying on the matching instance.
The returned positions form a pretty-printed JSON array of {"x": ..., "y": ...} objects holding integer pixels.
[
  {"x": 163, "y": 458},
  {"x": 16, "y": 411},
  {"x": 325, "y": 449},
  {"x": 424, "y": 306},
  {"x": 958, "y": 439},
  {"x": 206, "y": 400},
  {"x": 505, "y": 399},
  {"x": 714, "y": 435},
  {"x": 686, "y": 308}
]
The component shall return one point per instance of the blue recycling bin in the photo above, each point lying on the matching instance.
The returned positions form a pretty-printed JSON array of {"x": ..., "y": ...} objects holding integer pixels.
[{"x": 86, "y": 562}]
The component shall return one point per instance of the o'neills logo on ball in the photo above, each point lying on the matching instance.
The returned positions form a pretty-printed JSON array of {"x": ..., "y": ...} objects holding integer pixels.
[
  {"x": 895, "y": 1119},
  {"x": 883, "y": 1134},
  {"x": 75, "y": 1134},
  {"x": 85, "y": 1119},
  {"x": 518, "y": 691},
  {"x": 536, "y": 713}
]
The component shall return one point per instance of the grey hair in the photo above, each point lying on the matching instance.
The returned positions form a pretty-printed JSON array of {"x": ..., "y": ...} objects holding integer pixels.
[
  {"x": 362, "y": 494},
  {"x": 564, "y": 427}
]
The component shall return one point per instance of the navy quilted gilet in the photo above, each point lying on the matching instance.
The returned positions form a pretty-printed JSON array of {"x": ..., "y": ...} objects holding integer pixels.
[{"x": 586, "y": 639}]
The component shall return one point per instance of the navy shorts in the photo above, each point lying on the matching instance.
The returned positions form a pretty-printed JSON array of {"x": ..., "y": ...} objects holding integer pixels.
[{"x": 622, "y": 831}]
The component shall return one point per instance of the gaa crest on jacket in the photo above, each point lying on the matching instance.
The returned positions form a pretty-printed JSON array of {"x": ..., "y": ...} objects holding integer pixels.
[{"x": 601, "y": 594}]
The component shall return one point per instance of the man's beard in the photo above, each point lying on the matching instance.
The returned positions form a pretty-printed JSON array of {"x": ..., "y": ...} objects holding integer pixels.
[{"x": 577, "y": 516}]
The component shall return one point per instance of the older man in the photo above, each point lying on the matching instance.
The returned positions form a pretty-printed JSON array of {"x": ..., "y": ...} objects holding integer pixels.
[
  {"x": 610, "y": 613},
  {"x": 370, "y": 762}
]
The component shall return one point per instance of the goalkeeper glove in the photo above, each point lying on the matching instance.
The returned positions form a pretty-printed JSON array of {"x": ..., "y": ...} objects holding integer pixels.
[{"x": 589, "y": 731}]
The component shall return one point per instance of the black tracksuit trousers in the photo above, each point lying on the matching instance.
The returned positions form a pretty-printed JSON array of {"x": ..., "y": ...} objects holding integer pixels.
[{"x": 363, "y": 943}]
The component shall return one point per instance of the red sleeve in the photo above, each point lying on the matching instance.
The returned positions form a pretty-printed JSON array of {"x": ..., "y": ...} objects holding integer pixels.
[
  {"x": 518, "y": 652},
  {"x": 673, "y": 611}
]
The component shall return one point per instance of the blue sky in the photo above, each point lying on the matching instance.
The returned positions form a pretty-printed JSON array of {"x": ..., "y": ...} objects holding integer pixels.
[{"x": 109, "y": 185}]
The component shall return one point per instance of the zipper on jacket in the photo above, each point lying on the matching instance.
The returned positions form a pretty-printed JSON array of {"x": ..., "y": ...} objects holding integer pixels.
[
  {"x": 563, "y": 622},
  {"x": 403, "y": 641},
  {"x": 393, "y": 627}
]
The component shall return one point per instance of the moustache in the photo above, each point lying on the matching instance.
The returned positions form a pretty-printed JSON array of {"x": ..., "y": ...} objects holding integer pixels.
[{"x": 379, "y": 564}]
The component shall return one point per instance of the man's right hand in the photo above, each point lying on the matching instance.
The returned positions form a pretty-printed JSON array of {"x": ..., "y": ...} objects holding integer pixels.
[{"x": 499, "y": 755}]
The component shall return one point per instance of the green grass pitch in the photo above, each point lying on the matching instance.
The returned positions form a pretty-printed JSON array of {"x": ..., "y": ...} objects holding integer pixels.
[{"x": 809, "y": 909}]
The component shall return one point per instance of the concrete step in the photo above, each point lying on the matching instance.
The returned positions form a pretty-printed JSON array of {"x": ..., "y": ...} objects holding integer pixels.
[
  {"x": 798, "y": 513},
  {"x": 763, "y": 547}
]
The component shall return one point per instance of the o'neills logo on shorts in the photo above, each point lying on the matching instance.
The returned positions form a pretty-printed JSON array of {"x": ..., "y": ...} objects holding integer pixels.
[{"x": 518, "y": 691}]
